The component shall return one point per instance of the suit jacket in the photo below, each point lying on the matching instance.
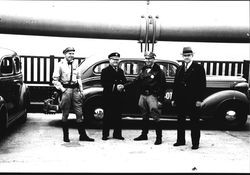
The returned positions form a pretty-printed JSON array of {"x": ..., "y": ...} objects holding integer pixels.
[
  {"x": 189, "y": 86},
  {"x": 109, "y": 79}
]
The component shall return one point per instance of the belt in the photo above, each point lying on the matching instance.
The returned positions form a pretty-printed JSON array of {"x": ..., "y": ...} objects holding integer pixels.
[{"x": 70, "y": 85}]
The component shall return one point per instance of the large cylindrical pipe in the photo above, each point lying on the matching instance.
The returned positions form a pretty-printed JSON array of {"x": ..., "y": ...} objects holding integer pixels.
[{"x": 170, "y": 27}]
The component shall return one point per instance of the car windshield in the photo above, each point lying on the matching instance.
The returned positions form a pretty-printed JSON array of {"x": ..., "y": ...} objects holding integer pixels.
[
  {"x": 17, "y": 63},
  {"x": 6, "y": 65},
  {"x": 131, "y": 67}
]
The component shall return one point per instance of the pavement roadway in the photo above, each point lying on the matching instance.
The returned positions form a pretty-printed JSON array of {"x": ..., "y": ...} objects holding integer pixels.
[{"x": 37, "y": 146}]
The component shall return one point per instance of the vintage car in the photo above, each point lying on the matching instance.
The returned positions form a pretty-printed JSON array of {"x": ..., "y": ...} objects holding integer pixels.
[
  {"x": 14, "y": 94},
  {"x": 226, "y": 101}
]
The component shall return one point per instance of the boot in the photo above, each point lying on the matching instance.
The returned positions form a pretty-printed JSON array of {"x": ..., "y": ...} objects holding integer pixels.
[
  {"x": 65, "y": 132},
  {"x": 144, "y": 134},
  {"x": 158, "y": 131},
  {"x": 158, "y": 141},
  {"x": 141, "y": 137},
  {"x": 117, "y": 134},
  {"x": 82, "y": 133}
]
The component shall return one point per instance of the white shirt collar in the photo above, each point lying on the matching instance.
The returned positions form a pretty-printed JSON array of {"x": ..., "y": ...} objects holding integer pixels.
[{"x": 189, "y": 64}]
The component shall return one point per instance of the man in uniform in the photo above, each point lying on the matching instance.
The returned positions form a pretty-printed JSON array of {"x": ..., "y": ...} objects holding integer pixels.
[
  {"x": 188, "y": 93},
  {"x": 66, "y": 78},
  {"x": 151, "y": 83},
  {"x": 112, "y": 80}
]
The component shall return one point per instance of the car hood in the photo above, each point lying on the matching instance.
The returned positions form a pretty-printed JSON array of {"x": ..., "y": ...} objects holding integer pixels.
[{"x": 223, "y": 81}]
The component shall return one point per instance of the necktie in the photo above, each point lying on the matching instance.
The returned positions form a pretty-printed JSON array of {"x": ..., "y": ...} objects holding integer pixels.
[
  {"x": 186, "y": 67},
  {"x": 71, "y": 73}
]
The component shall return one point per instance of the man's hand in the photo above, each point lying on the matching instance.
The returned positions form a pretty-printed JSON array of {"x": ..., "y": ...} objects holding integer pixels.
[
  {"x": 120, "y": 87},
  {"x": 82, "y": 94},
  {"x": 159, "y": 104},
  {"x": 63, "y": 90},
  {"x": 198, "y": 104},
  {"x": 173, "y": 103}
]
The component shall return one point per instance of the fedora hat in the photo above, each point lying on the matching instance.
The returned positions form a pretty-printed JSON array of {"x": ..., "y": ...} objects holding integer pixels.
[{"x": 187, "y": 50}]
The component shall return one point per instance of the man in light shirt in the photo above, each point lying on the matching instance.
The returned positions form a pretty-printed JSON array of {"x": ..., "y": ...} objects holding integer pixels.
[{"x": 67, "y": 79}]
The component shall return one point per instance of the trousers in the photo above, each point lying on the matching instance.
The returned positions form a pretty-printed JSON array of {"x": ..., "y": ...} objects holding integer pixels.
[{"x": 71, "y": 98}]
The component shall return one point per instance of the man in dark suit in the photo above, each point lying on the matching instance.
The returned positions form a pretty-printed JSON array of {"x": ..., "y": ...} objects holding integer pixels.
[
  {"x": 188, "y": 93},
  {"x": 112, "y": 79}
]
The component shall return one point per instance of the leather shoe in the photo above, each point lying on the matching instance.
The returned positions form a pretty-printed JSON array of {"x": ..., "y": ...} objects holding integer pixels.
[
  {"x": 141, "y": 137},
  {"x": 66, "y": 139},
  {"x": 118, "y": 137},
  {"x": 158, "y": 142},
  {"x": 179, "y": 144},
  {"x": 105, "y": 138},
  {"x": 195, "y": 146},
  {"x": 86, "y": 138}
]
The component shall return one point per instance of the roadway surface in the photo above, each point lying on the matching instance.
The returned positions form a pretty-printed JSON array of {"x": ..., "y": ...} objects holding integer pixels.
[{"x": 37, "y": 146}]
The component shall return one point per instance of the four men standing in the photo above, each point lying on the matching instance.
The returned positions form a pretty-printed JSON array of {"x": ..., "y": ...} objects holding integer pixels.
[{"x": 188, "y": 93}]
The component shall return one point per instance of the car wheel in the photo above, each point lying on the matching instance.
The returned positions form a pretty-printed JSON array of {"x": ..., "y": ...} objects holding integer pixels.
[
  {"x": 232, "y": 115},
  {"x": 94, "y": 112}
]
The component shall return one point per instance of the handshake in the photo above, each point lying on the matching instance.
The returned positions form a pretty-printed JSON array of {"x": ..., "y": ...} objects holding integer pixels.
[{"x": 120, "y": 87}]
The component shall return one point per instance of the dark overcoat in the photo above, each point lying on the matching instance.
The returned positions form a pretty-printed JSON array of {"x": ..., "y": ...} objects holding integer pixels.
[
  {"x": 189, "y": 87},
  {"x": 112, "y": 99}
]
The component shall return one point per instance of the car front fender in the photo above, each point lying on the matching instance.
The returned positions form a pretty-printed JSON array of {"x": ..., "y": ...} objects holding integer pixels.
[
  {"x": 23, "y": 93},
  {"x": 91, "y": 92},
  {"x": 2, "y": 102},
  {"x": 212, "y": 103}
]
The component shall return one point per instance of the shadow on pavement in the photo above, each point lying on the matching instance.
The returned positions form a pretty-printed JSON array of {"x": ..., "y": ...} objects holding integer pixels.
[
  {"x": 126, "y": 124},
  {"x": 137, "y": 124}
]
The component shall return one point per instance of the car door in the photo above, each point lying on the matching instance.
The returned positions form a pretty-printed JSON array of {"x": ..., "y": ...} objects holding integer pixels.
[
  {"x": 131, "y": 70},
  {"x": 169, "y": 69},
  {"x": 10, "y": 85}
]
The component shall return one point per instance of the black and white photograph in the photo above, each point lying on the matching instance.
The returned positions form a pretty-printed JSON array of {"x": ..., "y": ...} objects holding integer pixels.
[{"x": 123, "y": 86}]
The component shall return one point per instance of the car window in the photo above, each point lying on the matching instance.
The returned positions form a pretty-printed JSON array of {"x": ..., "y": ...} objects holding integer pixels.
[
  {"x": 168, "y": 68},
  {"x": 131, "y": 67},
  {"x": 98, "y": 68},
  {"x": 17, "y": 64},
  {"x": 7, "y": 65}
]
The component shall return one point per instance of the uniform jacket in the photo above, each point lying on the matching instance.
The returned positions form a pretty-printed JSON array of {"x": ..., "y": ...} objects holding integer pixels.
[
  {"x": 154, "y": 81},
  {"x": 109, "y": 79},
  {"x": 189, "y": 86}
]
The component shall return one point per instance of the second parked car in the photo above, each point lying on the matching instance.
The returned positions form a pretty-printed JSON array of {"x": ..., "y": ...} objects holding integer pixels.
[{"x": 226, "y": 101}]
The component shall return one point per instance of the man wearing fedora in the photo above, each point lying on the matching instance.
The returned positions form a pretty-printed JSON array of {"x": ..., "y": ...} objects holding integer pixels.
[
  {"x": 188, "y": 93},
  {"x": 67, "y": 79},
  {"x": 112, "y": 80},
  {"x": 151, "y": 84}
]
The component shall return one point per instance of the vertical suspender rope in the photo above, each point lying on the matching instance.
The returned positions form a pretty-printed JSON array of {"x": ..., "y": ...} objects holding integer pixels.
[
  {"x": 146, "y": 36},
  {"x": 154, "y": 33}
]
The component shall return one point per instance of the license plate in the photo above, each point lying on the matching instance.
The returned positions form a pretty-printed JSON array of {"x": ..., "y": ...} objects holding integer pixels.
[{"x": 168, "y": 95}]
